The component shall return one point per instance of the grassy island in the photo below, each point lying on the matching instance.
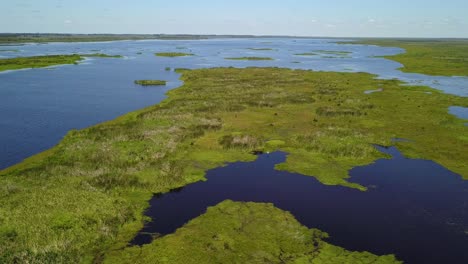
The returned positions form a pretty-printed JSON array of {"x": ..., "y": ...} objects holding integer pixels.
[
  {"x": 150, "y": 82},
  {"x": 307, "y": 54},
  {"x": 83, "y": 200},
  {"x": 271, "y": 228},
  {"x": 173, "y": 54},
  {"x": 431, "y": 57},
  {"x": 46, "y": 61},
  {"x": 251, "y": 58}
]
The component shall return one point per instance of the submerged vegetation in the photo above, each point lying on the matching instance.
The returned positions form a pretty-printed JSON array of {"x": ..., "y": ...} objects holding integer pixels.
[
  {"x": 173, "y": 54},
  {"x": 46, "y": 61},
  {"x": 306, "y": 54},
  {"x": 85, "y": 197},
  {"x": 234, "y": 232},
  {"x": 250, "y": 58},
  {"x": 150, "y": 82},
  {"x": 432, "y": 57}
]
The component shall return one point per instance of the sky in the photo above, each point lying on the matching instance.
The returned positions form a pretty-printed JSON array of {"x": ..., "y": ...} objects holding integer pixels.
[{"x": 332, "y": 18}]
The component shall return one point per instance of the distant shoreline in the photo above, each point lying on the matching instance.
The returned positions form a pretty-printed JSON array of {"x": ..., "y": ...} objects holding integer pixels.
[{"x": 18, "y": 38}]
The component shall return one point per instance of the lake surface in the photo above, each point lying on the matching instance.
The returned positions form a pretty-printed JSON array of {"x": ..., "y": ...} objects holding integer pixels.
[
  {"x": 39, "y": 106},
  {"x": 414, "y": 208}
]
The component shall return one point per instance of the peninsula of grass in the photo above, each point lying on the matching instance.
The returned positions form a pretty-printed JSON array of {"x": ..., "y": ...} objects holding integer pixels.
[
  {"x": 431, "y": 57},
  {"x": 251, "y": 58},
  {"x": 150, "y": 82},
  {"x": 101, "y": 55},
  {"x": 235, "y": 232},
  {"x": 84, "y": 200},
  {"x": 46, "y": 61},
  {"x": 173, "y": 54}
]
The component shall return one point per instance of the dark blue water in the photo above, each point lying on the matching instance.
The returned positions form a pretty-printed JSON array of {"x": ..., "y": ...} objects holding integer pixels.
[{"x": 415, "y": 209}]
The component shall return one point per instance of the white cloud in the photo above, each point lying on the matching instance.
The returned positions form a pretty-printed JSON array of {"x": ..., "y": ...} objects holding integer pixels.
[
  {"x": 67, "y": 21},
  {"x": 371, "y": 20},
  {"x": 330, "y": 25}
]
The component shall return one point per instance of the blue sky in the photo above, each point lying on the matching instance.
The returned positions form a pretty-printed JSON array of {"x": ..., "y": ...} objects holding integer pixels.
[{"x": 335, "y": 18}]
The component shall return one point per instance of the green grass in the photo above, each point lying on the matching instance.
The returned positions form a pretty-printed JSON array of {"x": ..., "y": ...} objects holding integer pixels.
[
  {"x": 46, "y": 61},
  {"x": 85, "y": 197},
  {"x": 173, "y": 54},
  {"x": 431, "y": 57},
  {"x": 251, "y": 58},
  {"x": 150, "y": 82},
  {"x": 234, "y": 232}
]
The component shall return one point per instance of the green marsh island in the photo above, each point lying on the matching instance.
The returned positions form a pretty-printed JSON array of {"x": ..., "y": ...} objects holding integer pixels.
[
  {"x": 47, "y": 61},
  {"x": 84, "y": 200},
  {"x": 173, "y": 54},
  {"x": 150, "y": 82}
]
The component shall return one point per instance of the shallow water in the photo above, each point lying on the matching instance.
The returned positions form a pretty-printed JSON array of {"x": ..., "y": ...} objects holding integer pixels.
[
  {"x": 460, "y": 112},
  {"x": 415, "y": 209},
  {"x": 39, "y": 106}
]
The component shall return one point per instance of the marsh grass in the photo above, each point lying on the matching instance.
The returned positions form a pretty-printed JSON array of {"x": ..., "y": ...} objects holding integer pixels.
[
  {"x": 46, "y": 61},
  {"x": 85, "y": 197},
  {"x": 150, "y": 82},
  {"x": 432, "y": 57},
  {"x": 173, "y": 54},
  {"x": 234, "y": 232}
]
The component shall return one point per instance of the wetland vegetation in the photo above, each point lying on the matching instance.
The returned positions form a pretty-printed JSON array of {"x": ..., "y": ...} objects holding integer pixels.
[
  {"x": 150, "y": 82},
  {"x": 224, "y": 235},
  {"x": 83, "y": 200},
  {"x": 173, "y": 54},
  {"x": 46, "y": 61},
  {"x": 431, "y": 57}
]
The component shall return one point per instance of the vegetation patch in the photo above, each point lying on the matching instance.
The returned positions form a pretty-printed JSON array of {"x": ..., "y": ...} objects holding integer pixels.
[
  {"x": 150, "y": 82},
  {"x": 101, "y": 55},
  {"x": 234, "y": 232},
  {"x": 46, "y": 61},
  {"x": 173, "y": 54},
  {"x": 251, "y": 58},
  {"x": 306, "y": 54},
  {"x": 431, "y": 57},
  {"x": 85, "y": 197}
]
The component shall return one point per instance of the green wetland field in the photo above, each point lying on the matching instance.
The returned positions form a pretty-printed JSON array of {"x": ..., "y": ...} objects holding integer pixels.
[{"x": 83, "y": 200}]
